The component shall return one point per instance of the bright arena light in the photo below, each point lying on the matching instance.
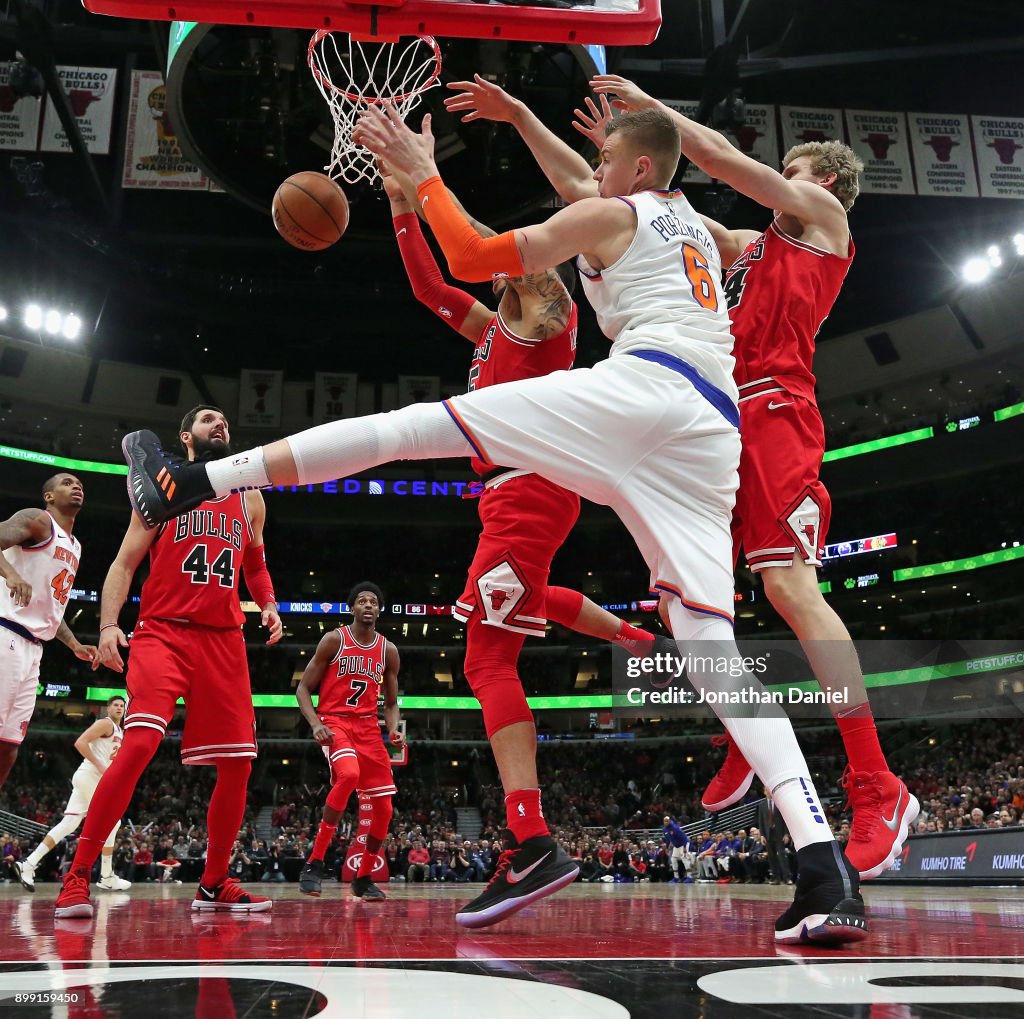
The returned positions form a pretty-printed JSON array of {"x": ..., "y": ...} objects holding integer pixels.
[
  {"x": 976, "y": 270},
  {"x": 3, "y": 313},
  {"x": 53, "y": 321},
  {"x": 994, "y": 257},
  {"x": 33, "y": 316},
  {"x": 72, "y": 327},
  {"x": 1018, "y": 243}
]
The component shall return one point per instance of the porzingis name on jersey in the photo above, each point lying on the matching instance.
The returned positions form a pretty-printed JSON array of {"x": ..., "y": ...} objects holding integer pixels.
[
  {"x": 203, "y": 522},
  {"x": 669, "y": 225}
]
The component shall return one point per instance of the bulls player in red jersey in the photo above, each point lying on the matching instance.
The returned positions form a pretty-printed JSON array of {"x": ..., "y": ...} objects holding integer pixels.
[
  {"x": 352, "y": 666},
  {"x": 525, "y": 520},
  {"x": 187, "y": 643},
  {"x": 781, "y": 285}
]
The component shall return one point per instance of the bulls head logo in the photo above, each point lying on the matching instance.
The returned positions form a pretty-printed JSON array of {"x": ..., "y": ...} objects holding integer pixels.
[
  {"x": 498, "y": 598},
  {"x": 746, "y": 136},
  {"x": 942, "y": 145},
  {"x": 1005, "y": 148},
  {"x": 879, "y": 142},
  {"x": 260, "y": 389},
  {"x": 7, "y": 99}
]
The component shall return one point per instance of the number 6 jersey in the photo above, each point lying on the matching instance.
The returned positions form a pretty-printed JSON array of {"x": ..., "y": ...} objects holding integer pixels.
[
  {"x": 194, "y": 564},
  {"x": 352, "y": 681}
]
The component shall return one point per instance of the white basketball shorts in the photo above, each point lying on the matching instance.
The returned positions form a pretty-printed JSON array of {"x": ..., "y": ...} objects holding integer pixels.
[
  {"x": 656, "y": 443},
  {"x": 19, "y": 679}
]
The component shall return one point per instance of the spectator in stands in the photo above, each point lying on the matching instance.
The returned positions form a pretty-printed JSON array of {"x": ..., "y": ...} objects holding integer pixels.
[
  {"x": 240, "y": 865},
  {"x": 272, "y": 868},
  {"x": 752, "y": 853},
  {"x": 681, "y": 853},
  {"x": 142, "y": 864},
  {"x": 460, "y": 864},
  {"x": 590, "y": 870},
  {"x": 419, "y": 862},
  {"x": 976, "y": 820},
  {"x": 440, "y": 862},
  {"x": 169, "y": 867},
  {"x": 707, "y": 870}
]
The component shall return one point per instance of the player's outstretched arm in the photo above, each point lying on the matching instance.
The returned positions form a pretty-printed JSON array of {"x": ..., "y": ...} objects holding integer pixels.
[
  {"x": 26, "y": 527},
  {"x": 716, "y": 156},
  {"x": 134, "y": 546},
  {"x": 569, "y": 173},
  {"x": 326, "y": 650},
  {"x": 392, "y": 663}
]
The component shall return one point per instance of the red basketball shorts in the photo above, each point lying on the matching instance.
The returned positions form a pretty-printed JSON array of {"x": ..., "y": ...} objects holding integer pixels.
[
  {"x": 205, "y": 666},
  {"x": 782, "y": 506},
  {"x": 525, "y": 521},
  {"x": 359, "y": 736}
]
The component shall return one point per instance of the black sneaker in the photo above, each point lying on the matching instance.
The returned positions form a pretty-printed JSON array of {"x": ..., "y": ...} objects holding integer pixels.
[
  {"x": 827, "y": 908},
  {"x": 311, "y": 877},
  {"x": 525, "y": 873},
  {"x": 364, "y": 888},
  {"x": 161, "y": 484}
]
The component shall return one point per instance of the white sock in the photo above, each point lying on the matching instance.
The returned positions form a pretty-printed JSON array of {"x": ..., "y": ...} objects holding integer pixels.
[
  {"x": 238, "y": 471},
  {"x": 106, "y": 865},
  {"x": 36, "y": 856},
  {"x": 765, "y": 735}
]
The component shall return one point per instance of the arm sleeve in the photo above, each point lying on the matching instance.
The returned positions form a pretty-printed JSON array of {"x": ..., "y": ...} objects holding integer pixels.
[
  {"x": 447, "y": 302},
  {"x": 470, "y": 257},
  {"x": 257, "y": 576}
]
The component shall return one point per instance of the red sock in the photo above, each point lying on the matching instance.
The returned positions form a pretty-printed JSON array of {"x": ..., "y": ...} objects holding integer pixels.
[
  {"x": 224, "y": 817},
  {"x": 380, "y": 821},
  {"x": 113, "y": 794},
  {"x": 324, "y": 834},
  {"x": 860, "y": 737},
  {"x": 525, "y": 818},
  {"x": 633, "y": 639}
]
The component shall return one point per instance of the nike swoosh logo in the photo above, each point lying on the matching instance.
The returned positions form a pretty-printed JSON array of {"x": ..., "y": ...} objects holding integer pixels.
[
  {"x": 891, "y": 823},
  {"x": 400, "y": 232},
  {"x": 514, "y": 877},
  {"x": 772, "y": 405}
]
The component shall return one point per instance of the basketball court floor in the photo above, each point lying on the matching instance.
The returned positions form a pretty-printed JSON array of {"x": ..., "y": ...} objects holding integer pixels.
[{"x": 601, "y": 951}]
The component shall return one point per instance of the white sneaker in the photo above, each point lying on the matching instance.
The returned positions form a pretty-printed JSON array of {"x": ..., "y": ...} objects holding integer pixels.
[
  {"x": 26, "y": 874},
  {"x": 113, "y": 883}
]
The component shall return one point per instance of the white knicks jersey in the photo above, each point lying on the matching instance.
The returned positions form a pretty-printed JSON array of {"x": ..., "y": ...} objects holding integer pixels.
[
  {"x": 104, "y": 750},
  {"x": 664, "y": 293},
  {"x": 50, "y": 568}
]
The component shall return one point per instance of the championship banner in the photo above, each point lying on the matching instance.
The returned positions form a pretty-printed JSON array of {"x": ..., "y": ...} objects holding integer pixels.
[
  {"x": 880, "y": 139},
  {"x": 971, "y": 855},
  {"x": 334, "y": 396},
  {"x": 259, "y": 398},
  {"x": 418, "y": 389},
  {"x": 758, "y": 137},
  {"x": 688, "y": 109},
  {"x": 802, "y": 124},
  {"x": 19, "y": 118},
  {"x": 943, "y": 155},
  {"x": 91, "y": 92},
  {"x": 152, "y": 157},
  {"x": 998, "y": 142}
]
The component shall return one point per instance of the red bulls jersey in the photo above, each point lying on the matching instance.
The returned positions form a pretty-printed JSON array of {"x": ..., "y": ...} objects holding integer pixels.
[
  {"x": 352, "y": 682},
  {"x": 501, "y": 356},
  {"x": 780, "y": 291},
  {"x": 194, "y": 565}
]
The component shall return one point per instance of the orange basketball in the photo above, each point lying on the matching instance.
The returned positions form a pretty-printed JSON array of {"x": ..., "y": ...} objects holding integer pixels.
[{"x": 310, "y": 211}]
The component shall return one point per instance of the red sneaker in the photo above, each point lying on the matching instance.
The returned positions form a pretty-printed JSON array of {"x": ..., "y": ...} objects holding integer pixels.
[
  {"x": 74, "y": 897},
  {"x": 883, "y": 810},
  {"x": 229, "y": 896},
  {"x": 731, "y": 782}
]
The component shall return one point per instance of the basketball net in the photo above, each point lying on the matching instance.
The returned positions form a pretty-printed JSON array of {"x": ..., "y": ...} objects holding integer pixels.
[{"x": 353, "y": 74}]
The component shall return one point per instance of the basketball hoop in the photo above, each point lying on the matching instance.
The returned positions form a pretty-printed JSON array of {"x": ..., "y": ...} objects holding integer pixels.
[{"x": 353, "y": 74}]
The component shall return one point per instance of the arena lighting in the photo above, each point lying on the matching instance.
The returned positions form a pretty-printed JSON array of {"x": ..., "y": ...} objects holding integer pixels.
[
  {"x": 3, "y": 313},
  {"x": 1018, "y": 243},
  {"x": 976, "y": 270},
  {"x": 994, "y": 257},
  {"x": 52, "y": 321},
  {"x": 72, "y": 327},
  {"x": 33, "y": 316}
]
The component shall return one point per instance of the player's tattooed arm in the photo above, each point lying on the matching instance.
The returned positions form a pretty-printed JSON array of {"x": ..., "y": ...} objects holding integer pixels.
[
  {"x": 552, "y": 304},
  {"x": 26, "y": 527}
]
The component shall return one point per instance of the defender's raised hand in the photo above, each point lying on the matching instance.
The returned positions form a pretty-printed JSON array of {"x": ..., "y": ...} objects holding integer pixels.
[{"x": 480, "y": 99}]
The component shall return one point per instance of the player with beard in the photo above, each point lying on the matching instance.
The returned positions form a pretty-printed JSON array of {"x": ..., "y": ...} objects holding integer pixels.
[{"x": 188, "y": 643}]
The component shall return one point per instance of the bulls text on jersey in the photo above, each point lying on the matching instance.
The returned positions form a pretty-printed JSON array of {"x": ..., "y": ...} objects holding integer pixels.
[{"x": 206, "y": 523}]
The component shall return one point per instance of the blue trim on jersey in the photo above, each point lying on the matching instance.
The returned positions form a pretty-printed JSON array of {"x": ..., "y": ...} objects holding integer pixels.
[
  {"x": 481, "y": 455},
  {"x": 719, "y": 400}
]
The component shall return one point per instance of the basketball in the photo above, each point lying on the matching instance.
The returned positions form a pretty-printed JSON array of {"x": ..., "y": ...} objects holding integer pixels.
[{"x": 310, "y": 211}]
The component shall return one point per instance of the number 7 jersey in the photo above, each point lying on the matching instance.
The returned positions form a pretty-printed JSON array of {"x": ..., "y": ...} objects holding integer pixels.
[
  {"x": 194, "y": 564},
  {"x": 352, "y": 682}
]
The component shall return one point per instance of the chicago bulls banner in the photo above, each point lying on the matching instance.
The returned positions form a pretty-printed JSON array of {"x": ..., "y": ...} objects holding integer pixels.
[
  {"x": 999, "y": 144},
  {"x": 688, "y": 109},
  {"x": 259, "y": 398},
  {"x": 152, "y": 157},
  {"x": 758, "y": 137},
  {"x": 91, "y": 91},
  {"x": 802, "y": 124},
  {"x": 334, "y": 396},
  {"x": 418, "y": 389},
  {"x": 880, "y": 139},
  {"x": 943, "y": 155},
  {"x": 19, "y": 118}
]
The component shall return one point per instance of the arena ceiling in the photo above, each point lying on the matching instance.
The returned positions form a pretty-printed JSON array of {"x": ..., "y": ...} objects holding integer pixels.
[{"x": 201, "y": 282}]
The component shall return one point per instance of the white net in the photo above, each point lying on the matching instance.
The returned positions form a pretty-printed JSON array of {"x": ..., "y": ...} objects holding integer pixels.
[{"x": 353, "y": 74}]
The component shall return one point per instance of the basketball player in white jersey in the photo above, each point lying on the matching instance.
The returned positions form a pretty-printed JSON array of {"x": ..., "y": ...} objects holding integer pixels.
[
  {"x": 98, "y": 745},
  {"x": 652, "y": 432},
  {"x": 38, "y": 562}
]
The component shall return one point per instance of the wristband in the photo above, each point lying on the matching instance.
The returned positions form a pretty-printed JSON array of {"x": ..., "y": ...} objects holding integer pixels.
[{"x": 107, "y": 626}]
